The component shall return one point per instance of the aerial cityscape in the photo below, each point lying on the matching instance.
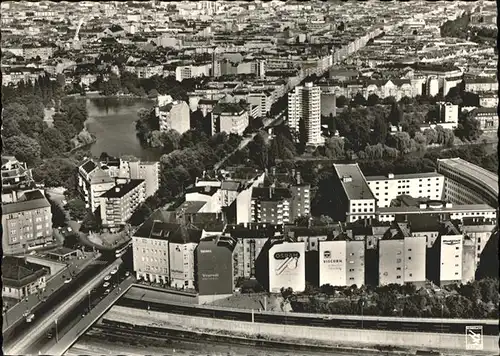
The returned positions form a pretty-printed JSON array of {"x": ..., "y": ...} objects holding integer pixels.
[{"x": 250, "y": 178}]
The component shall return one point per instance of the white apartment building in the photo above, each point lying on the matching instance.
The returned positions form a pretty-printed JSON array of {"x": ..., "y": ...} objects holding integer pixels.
[
  {"x": 450, "y": 257},
  {"x": 164, "y": 253},
  {"x": 356, "y": 197},
  {"x": 305, "y": 104},
  {"x": 119, "y": 203},
  {"x": 448, "y": 113},
  {"x": 92, "y": 183},
  {"x": 342, "y": 263},
  {"x": 174, "y": 116},
  {"x": 147, "y": 171},
  {"x": 229, "y": 118},
  {"x": 402, "y": 260},
  {"x": 287, "y": 267},
  {"x": 385, "y": 189},
  {"x": 191, "y": 71}
]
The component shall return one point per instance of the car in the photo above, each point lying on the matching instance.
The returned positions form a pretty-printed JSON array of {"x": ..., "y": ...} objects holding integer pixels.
[
  {"x": 107, "y": 291},
  {"x": 106, "y": 285},
  {"x": 68, "y": 280},
  {"x": 30, "y": 318},
  {"x": 107, "y": 278},
  {"x": 127, "y": 274},
  {"x": 113, "y": 272},
  {"x": 44, "y": 299}
]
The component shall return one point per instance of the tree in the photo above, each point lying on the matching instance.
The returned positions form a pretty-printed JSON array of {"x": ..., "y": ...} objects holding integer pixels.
[
  {"x": 468, "y": 128},
  {"x": 52, "y": 143},
  {"x": 170, "y": 140},
  {"x": 431, "y": 136},
  {"x": 401, "y": 141},
  {"x": 24, "y": 148},
  {"x": 90, "y": 223},
  {"x": 153, "y": 94},
  {"x": 359, "y": 100},
  {"x": 341, "y": 101},
  {"x": 380, "y": 130},
  {"x": 58, "y": 217},
  {"x": 258, "y": 151},
  {"x": 71, "y": 241},
  {"x": 373, "y": 100},
  {"x": 77, "y": 209},
  {"x": 334, "y": 148},
  {"x": 396, "y": 114}
]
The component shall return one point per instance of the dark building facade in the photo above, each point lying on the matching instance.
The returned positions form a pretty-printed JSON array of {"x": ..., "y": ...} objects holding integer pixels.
[{"x": 214, "y": 267}]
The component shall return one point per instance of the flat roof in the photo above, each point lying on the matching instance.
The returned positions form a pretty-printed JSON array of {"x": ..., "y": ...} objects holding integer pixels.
[
  {"x": 18, "y": 272},
  {"x": 405, "y": 176},
  {"x": 443, "y": 209},
  {"x": 488, "y": 178},
  {"x": 121, "y": 190},
  {"x": 357, "y": 187}
]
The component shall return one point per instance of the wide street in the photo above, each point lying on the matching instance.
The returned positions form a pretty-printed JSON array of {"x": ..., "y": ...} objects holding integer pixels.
[
  {"x": 18, "y": 312},
  {"x": 41, "y": 326},
  {"x": 68, "y": 337}
]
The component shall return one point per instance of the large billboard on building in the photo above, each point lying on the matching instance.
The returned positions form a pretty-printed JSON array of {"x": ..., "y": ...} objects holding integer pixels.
[
  {"x": 214, "y": 269},
  {"x": 287, "y": 266},
  {"x": 332, "y": 263},
  {"x": 451, "y": 257}
]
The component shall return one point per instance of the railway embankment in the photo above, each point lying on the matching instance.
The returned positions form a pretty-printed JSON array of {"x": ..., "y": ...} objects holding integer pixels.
[{"x": 369, "y": 341}]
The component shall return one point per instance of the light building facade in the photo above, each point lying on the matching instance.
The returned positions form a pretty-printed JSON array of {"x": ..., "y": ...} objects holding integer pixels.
[
  {"x": 385, "y": 189},
  {"x": 402, "y": 260},
  {"x": 287, "y": 266},
  {"x": 342, "y": 263},
  {"x": 174, "y": 116},
  {"x": 305, "y": 104}
]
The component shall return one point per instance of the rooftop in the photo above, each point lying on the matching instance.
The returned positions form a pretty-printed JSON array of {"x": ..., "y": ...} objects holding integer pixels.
[
  {"x": 34, "y": 200},
  {"x": 436, "y": 209},
  {"x": 405, "y": 176},
  {"x": 353, "y": 181},
  {"x": 122, "y": 189},
  {"x": 18, "y": 272}
]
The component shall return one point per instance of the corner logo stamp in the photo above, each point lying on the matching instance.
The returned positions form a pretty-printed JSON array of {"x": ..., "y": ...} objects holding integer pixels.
[{"x": 473, "y": 337}]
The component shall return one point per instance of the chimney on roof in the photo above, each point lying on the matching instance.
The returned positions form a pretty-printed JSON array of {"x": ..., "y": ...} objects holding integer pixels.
[{"x": 117, "y": 189}]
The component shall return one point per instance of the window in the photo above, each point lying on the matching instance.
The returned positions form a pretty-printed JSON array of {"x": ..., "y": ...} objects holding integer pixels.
[
  {"x": 398, "y": 268},
  {"x": 398, "y": 277}
]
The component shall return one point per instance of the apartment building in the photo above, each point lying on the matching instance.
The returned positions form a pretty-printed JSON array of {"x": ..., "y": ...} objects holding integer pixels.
[
  {"x": 481, "y": 84},
  {"x": 287, "y": 266},
  {"x": 145, "y": 70},
  {"x": 147, "y": 171},
  {"x": 174, "y": 116},
  {"x": 271, "y": 205},
  {"x": 214, "y": 264},
  {"x": 229, "y": 118},
  {"x": 21, "y": 278},
  {"x": 479, "y": 231},
  {"x": 119, "y": 203},
  {"x": 448, "y": 114},
  {"x": 305, "y": 104},
  {"x": 449, "y": 252},
  {"x": 466, "y": 183},
  {"x": 192, "y": 71},
  {"x": 387, "y": 188},
  {"x": 92, "y": 183},
  {"x": 251, "y": 239},
  {"x": 488, "y": 118},
  {"x": 442, "y": 210},
  {"x": 16, "y": 176},
  {"x": 342, "y": 262},
  {"x": 26, "y": 224},
  {"x": 356, "y": 200},
  {"x": 263, "y": 100},
  {"x": 164, "y": 253},
  {"x": 402, "y": 260}
]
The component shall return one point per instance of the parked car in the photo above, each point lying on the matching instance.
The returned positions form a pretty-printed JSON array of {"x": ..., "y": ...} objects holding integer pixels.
[
  {"x": 127, "y": 274},
  {"x": 30, "y": 318},
  {"x": 107, "y": 291},
  {"x": 68, "y": 280},
  {"x": 106, "y": 284},
  {"x": 107, "y": 278}
]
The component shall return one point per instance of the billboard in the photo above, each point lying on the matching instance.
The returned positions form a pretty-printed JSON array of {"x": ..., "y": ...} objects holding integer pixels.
[
  {"x": 287, "y": 266},
  {"x": 451, "y": 257},
  {"x": 214, "y": 269},
  {"x": 332, "y": 263}
]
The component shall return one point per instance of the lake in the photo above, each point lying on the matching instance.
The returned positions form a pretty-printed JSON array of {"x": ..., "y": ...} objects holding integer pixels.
[{"x": 112, "y": 121}]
